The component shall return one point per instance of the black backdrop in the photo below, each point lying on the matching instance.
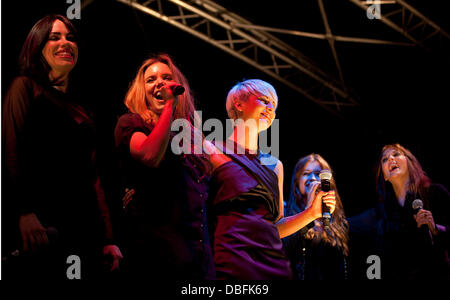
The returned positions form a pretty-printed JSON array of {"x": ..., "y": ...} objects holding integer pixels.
[{"x": 402, "y": 90}]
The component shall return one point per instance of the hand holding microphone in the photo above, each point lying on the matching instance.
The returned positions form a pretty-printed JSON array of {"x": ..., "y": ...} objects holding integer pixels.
[
  {"x": 177, "y": 89},
  {"x": 170, "y": 90},
  {"x": 36, "y": 238},
  {"x": 321, "y": 201},
  {"x": 34, "y": 235},
  {"x": 329, "y": 199},
  {"x": 424, "y": 218}
]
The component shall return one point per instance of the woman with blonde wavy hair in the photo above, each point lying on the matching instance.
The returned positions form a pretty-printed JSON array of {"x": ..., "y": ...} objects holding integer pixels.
[
  {"x": 137, "y": 100},
  {"x": 164, "y": 230},
  {"x": 315, "y": 252}
]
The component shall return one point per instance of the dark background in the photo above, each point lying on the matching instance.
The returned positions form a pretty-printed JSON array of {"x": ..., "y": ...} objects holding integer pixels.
[{"x": 402, "y": 91}]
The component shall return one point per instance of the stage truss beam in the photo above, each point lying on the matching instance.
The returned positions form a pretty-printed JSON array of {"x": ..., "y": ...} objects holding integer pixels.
[
  {"x": 409, "y": 22},
  {"x": 233, "y": 34}
]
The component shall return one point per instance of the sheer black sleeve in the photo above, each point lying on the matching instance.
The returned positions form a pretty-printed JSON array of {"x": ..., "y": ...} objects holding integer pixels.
[{"x": 16, "y": 108}]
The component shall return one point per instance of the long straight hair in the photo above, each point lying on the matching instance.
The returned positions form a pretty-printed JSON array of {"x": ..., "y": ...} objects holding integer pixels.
[
  {"x": 31, "y": 61},
  {"x": 418, "y": 179},
  {"x": 337, "y": 234}
]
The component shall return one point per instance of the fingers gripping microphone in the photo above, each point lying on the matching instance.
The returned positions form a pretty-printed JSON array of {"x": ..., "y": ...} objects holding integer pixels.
[
  {"x": 177, "y": 89},
  {"x": 325, "y": 179},
  {"x": 417, "y": 205},
  {"x": 52, "y": 235}
]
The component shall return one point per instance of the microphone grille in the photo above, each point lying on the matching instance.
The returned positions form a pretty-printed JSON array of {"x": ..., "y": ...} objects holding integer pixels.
[
  {"x": 417, "y": 204},
  {"x": 325, "y": 174}
]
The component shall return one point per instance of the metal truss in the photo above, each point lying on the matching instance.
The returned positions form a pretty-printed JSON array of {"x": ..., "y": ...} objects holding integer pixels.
[
  {"x": 255, "y": 45},
  {"x": 252, "y": 44},
  {"x": 409, "y": 22}
]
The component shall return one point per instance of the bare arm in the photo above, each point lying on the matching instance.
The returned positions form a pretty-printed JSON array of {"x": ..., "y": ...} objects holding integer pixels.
[
  {"x": 290, "y": 225},
  {"x": 217, "y": 158},
  {"x": 150, "y": 149},
  {"x": 279, "y": 170}
]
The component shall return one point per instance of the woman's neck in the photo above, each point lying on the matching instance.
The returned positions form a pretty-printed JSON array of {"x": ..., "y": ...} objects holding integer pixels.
[
  {"x": 245, "y": 136},
  {"x": 60, "y": 80},
  {"x": 400, "y": 189},
  {"x": 150, "y": 117}
]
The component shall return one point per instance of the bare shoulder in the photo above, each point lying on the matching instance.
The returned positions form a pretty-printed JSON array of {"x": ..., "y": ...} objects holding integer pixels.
[
  {"x": 279, "y": 167},
  {"x": 217, "y": 158},
  {"x": 209, "y": 147}
]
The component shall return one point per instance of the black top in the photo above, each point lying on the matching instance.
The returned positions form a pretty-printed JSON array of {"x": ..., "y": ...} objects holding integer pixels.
[
  {"x": 165, "y": 230},
  {"x": 314, "y": 260},
  {"x": 406, "y": 252},
  {"x": 49, "y": 155}
]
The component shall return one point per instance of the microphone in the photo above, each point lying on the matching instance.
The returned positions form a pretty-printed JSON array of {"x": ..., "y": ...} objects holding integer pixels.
[
  {"x": 417, "y": 205},
  {"x": 177, "y": 89},
  {"x": 325, "y": 178},
  {"x": 52, "y": 235}
]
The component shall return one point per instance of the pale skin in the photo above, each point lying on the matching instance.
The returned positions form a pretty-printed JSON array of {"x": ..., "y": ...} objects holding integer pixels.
[
  {"x": 395, "y": 170},
  {"x": 263, "y": 109},
  {"x": 150, "y": 149},
  {"x": 61, "y": 54}
]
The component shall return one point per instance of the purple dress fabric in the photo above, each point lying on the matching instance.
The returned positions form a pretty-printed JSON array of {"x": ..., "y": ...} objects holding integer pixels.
[{"x": 243, "y": 207}]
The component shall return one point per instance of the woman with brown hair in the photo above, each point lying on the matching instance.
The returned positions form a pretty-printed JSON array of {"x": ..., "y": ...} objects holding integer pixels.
[
  {"x": 53, "y": 191},
  {"x": 411, "y": 242},
  {"x": 165, "y": 234},
  {"x": 316, "y": 251}
]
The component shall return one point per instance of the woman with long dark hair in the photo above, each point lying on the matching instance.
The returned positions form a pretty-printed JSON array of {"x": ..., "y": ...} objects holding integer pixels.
[
  {"x": 316, "y": 252},
  {"x": 414, "y": 243},
  {"x": 411, "y": 242},
  {"x": 53, "y": 190}
]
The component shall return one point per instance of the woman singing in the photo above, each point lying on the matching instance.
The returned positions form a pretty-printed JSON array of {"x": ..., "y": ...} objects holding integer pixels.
[
  {"x": 165, "y": 234},
  {"x": 315, "y": 252}
]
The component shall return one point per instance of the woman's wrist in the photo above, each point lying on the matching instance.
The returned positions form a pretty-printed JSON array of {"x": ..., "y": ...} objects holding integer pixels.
[
  {"x": 311, "y": 214},
  {"x": 438, "y": 228}
]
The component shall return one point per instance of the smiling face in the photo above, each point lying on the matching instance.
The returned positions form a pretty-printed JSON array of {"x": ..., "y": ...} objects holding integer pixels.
[
  {"x": 60, "y": 50},
  {"x": 258, "y": 108},
  {"x": 310, "y": 175},
  {"x": 156, "y": 76},
  {"x": 394, "y": 164}
]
